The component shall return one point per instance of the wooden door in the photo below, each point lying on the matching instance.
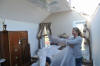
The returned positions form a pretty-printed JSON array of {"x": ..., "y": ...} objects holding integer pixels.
[
  {"x": 15, "y": 49},
  {"x": 25, "y": 47},
  {"x": 19, "y": 48}
]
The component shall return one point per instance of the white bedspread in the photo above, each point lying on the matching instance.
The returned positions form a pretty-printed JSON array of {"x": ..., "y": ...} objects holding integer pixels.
[{"x": 58, "y": 57}]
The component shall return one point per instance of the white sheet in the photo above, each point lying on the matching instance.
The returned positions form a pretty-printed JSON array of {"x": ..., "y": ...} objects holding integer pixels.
[
  {"x": 68, "y": 59},
  {"x": 58, "y": 57},
  {"x": 50, "y": 51}
]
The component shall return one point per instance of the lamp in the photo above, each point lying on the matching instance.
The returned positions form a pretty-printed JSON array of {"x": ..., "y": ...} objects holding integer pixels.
[
  {"x": 4, "y": 27},
  {"x": 3, "y": 24}
]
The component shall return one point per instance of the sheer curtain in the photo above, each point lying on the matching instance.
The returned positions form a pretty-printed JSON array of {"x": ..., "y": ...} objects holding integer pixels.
[{"x": 44, "y": 31}]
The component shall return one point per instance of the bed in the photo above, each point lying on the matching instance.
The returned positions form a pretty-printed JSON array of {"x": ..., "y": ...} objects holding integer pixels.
[{"x": 58, "y": 57}]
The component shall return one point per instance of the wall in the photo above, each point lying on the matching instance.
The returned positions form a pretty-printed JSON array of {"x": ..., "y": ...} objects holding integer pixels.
[
  {"x": 95, "y": 33},
  {"x": 22, "y": 10},
  {"x": 32, "y": 28},
  {"x": 62, "y": 21}
]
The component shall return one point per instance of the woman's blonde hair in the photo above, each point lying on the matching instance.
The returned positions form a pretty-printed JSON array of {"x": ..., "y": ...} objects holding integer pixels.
[{"x": 78, "y": 31}]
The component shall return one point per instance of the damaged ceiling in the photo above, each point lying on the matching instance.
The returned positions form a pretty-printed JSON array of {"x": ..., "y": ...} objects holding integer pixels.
[
  {"x": 31, "y": 10},
  {"x": 52, "y": 5}
]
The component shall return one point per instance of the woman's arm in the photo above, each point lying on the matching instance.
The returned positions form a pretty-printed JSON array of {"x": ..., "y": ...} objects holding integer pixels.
[
  {"x": 72, "y": 42},
  {"x": 57, "y": 40},
  {"x": 77, "y": 40}
]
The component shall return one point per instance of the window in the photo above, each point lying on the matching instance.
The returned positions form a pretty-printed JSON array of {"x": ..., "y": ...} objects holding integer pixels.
[
  {"x": 43, "y": 34},
  {"x": 46, "y": 37},
  {"x": 85, "y": 6},
  {"x": 81, "y": 24}
]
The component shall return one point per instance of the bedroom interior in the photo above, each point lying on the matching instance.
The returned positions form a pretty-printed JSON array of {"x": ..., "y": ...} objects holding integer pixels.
[{"x": 26, "y": 27}]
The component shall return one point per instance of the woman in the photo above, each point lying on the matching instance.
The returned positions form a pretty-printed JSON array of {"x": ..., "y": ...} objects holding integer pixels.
[
  {"x": 73, "y": 54},
  {"x": 75, "y": 43}
]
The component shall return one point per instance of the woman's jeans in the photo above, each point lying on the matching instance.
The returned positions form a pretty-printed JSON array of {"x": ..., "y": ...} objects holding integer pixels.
[{"x": 78, "y": 61}]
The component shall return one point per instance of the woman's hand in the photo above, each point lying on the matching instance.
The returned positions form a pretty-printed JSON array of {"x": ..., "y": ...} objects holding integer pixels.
[
  {"x": 72, "y": 46},
  {"x": 61, "y": 44}
]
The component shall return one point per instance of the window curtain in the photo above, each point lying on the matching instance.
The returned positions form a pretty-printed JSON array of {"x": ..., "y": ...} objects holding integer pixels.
[{"x": 41, "y": 33}]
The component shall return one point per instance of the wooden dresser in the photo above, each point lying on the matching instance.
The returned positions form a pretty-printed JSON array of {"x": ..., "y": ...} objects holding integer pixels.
[{"x": 14, "y": 48}]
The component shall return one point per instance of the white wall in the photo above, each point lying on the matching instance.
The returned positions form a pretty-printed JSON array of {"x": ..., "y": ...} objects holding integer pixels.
[
  {"x": 95, "y": 33},
  {"x": 32, "y": 29},
  {"x": 62, "y": 21},
  {"x": 22, "y": 10}
]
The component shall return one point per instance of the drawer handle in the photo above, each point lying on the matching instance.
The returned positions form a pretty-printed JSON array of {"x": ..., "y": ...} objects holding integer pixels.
[{"x": 16, "y": 50}]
